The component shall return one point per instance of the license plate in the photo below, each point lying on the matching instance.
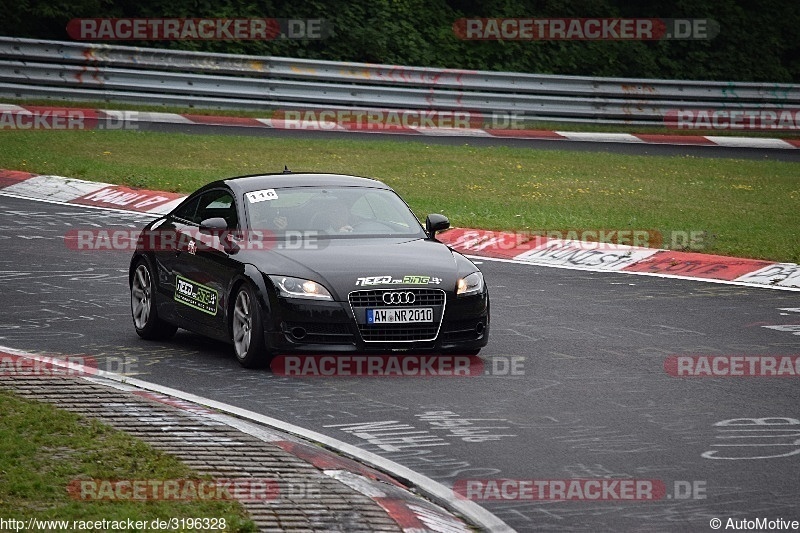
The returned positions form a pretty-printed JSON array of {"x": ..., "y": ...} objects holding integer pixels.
[{"x": 392, "y": 315}]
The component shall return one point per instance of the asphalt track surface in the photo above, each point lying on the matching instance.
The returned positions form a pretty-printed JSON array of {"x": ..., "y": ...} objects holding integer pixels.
[
  {"x": 628, "y": 148},
  {"x": 589, "y": 399}
]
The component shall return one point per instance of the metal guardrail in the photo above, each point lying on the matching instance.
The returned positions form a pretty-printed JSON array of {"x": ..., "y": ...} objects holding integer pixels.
[{"x": 67, "y": 70}]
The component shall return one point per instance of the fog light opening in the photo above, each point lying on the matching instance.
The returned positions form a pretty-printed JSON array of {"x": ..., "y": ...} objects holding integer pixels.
[
  {"x": 479, "y": 328},
  {"x": 298, "y": 333}
]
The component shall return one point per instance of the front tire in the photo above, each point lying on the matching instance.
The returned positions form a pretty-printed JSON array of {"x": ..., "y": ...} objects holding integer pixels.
[
  {"x": 247, "y": 330},
  {"x": 143, "y": 306}
]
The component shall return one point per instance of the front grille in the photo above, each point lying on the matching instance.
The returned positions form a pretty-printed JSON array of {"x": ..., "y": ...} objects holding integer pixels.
[
  {"x": 369, "y": 299},
  {"x": 374, "y": 298}
]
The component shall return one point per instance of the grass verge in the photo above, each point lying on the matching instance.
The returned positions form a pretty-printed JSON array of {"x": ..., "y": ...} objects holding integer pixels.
[
  {"x": 43, "y": 448},
  {"x": 742, "y": 208}
]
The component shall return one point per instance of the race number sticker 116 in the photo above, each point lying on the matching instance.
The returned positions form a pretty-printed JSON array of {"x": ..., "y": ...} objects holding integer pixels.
[
  {"x": 195, "y": 295},
  {"x": 262, "y": 195}
]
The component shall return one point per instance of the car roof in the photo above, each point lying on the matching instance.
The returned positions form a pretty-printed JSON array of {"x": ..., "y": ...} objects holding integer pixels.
[{"x": 278, "y": 180}]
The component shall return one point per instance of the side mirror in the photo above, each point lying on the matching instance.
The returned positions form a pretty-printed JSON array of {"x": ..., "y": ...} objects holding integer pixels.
[
  {"x": 435, "y": 222},
  {"x": 213, "y": 225},
  {"x": 219, "y": 226}
]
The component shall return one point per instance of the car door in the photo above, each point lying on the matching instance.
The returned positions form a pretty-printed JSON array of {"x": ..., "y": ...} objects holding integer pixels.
[
  {"x": 204, "y": 264},
  {"x": 166, "y": 247}
]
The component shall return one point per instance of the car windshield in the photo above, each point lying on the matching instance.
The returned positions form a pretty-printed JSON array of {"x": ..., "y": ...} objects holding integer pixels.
[{"x": 331, "y": 212}]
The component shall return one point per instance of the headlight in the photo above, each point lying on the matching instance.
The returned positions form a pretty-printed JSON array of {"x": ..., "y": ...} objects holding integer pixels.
[
  {"x": 471, "y": 284},
  {"x": 289, "y": 287}
]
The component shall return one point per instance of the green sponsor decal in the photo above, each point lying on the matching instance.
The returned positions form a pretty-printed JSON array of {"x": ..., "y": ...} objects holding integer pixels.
[
  {"x": 195, "y": 295},
  {"x": 407, "y": 280}
]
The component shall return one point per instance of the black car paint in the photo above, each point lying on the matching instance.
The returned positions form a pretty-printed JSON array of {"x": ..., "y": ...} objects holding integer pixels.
[{"x": 337, "y": 264}]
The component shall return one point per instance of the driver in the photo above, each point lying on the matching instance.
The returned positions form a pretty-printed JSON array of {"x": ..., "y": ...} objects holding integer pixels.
[
  {"x": 268, "y": 219},
  {"x": 336, "y": 219}
]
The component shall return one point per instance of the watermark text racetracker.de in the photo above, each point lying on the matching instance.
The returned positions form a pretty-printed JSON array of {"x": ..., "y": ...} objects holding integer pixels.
[
  {"x": 190, "y": 239},
  {"x": 583, "y": 29},
  {"x": 396, "y": 365},
  {"x": 72, "y": 366},
  {"x": 718, "y": 366},
  {"x": 394, "y": 119},
  {"x": 249, "y": 489},
  {"x": 55, "y": 118},
  {"x": 197, "y": 29},
  {"x": 576, "y": 489},
  {"x": 733, "y": 119},
  {"x": 67, "y": 366},
  {"x": 592, "y": 238},
  {"x": 121, "y": 239}
]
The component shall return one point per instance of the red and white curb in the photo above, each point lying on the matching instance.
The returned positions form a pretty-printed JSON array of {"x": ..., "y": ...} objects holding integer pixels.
[
  {"x": 365, "y": 475},
  {"x": 49, "y": 117},
  {"x": 539, "y": 250},
  {"x": 592, "y": 256},
  {"x": 90, "y": 193}
]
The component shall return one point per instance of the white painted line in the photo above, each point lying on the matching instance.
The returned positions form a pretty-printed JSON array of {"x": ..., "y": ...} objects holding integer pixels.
[
  {"x": 254, "y": 430},
  {"x": 603, "y": 256},
  {"x": 151, "y": 116},
  {"x": 452, "y": 132},
  {"x": 303, "y": 125},
  {"x": 121, "y": 116},
  {"x": 259, "y": 432},
  {"x": 749, "y": 142},
  {"x": 432, "y": 489},
  {"x": 3, "y": 192},
  {"x": 629, "y": 272},
  {"x": 163, "y": 209},
  {"x": 778, "y": 274},
  {"x": 794, "y": 329},
  {"x": 59, "y": 189},
  {"x": 601, "y": 137},
  {"x": 54, "y": 188},
  {"x": 145, "y": 116},
  {"x": 15, "y": 108},
  {"x": 356, "y": 482},
  {"x": 376, "y": 490}
]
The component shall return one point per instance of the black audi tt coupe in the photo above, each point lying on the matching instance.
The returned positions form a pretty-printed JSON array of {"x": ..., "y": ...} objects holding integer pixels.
[{"x": 312, "y": 263}]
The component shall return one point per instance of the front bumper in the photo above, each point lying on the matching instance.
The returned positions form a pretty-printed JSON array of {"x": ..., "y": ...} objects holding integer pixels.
[{"x": 310, "y": 326}]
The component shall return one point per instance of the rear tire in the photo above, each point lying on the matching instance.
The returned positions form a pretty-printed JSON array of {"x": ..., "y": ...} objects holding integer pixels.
[
  {"x": 247, "y": 329},
  {"x": 143, "y": 306}
]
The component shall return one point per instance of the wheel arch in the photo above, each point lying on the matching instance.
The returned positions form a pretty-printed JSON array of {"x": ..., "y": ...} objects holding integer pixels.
[
  {"x": 135, "y": 261},
  {"x": 253, "y": 276}
]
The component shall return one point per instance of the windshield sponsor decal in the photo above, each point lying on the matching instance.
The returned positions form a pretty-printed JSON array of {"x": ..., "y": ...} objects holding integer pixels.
[
  {"x": 262, "y": 195},
  {"x": 195, "y": 295},
  {"x": 405, "y": 280}
]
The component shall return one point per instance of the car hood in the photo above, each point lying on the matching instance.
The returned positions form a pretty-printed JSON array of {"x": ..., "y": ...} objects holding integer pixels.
[{"x": 348, "y": 264}]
